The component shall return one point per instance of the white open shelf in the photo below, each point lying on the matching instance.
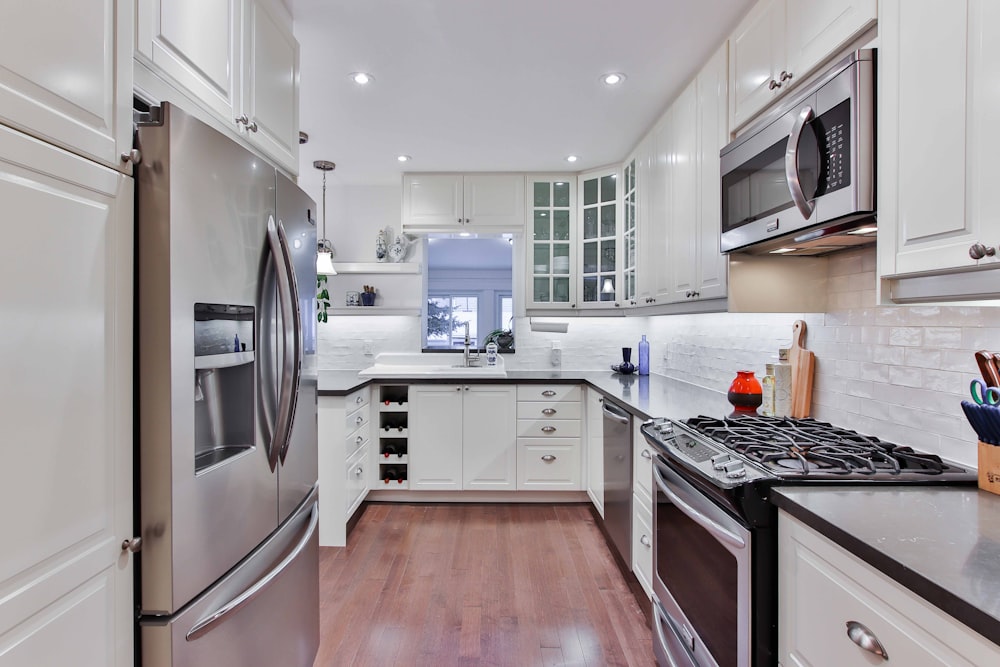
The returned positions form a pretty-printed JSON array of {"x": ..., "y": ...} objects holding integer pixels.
[
  {"x": 373, "y": 310},
  {"x": 377, "y": 267}
]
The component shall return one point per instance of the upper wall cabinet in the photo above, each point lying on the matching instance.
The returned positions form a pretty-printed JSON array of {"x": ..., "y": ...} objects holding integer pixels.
[
  {"x": 598, "y": 203},
  {"x": 66, "y": 75},
  {"x": 780, "y": 42},
  {"x": 479, "y": 202},
  {"x": 552, "y": 241},
  {"x": 937, "y": 148},
  {"x": 238, "y": 58}
]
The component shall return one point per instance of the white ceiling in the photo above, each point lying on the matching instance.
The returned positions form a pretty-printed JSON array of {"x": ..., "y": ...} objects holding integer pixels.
[{"x": 491, "y": 85}]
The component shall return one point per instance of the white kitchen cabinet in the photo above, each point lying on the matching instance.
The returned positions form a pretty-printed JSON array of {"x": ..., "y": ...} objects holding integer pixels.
[
  {"x": 599, "y": 206},
  {"x": 642, "y": 509},
  {"x": 939, "y": 77},
  {"x": 66, "y": 75},
  {"x": 549, "y": 446},
  {"x": 781, "y": 42},
  {"x": 595, "y": 449},
  {"x": 691, "y": 266},
  {"x": 552, "y": 233},
  {"x": 462, "y": 437},
  {"x": 238, "y": 58},
  {"x": 66, "y": 359},
  {"x": 822, "y": 588},
  {"x": 474, "y": 202},
  {"x": 344, "y": 428},
  {"x": 646, "y": 187},
  {"x": 660, "y": 195},
  {"x": 630, "y": 234}
]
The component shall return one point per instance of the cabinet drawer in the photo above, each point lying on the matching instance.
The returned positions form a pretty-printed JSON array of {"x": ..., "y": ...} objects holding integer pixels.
[
  {"x": 356, "y": 480},
  {"x": 642, "y": 542},
  {"x": 822, "y": 587},
  {"x": 356, "y": 439},
  {"x": 358, "y": 418},
  {"x": 357, "y": 398},
  {"x": 642, "y": 467},
  {"x": 549, "y": 410},
  {"x": 548, "y": 464},
  {"x": 548, "y": 392},
  {"x": 548, "y": 428}
]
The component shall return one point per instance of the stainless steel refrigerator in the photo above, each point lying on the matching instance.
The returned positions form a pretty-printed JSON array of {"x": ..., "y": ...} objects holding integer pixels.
[{"x": 226, "y": 275}]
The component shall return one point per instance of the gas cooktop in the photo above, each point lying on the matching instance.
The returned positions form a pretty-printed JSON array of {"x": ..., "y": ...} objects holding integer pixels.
[{"x": 798, "y": 449}]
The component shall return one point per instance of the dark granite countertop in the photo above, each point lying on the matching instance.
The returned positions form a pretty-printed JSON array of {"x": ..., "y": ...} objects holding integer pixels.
[
  {"x": 941, "y": 542},
  {"x": 643, "y": 395}
]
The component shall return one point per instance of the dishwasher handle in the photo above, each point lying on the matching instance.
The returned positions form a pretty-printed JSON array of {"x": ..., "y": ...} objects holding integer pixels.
[{"x": 615, "y": 413}]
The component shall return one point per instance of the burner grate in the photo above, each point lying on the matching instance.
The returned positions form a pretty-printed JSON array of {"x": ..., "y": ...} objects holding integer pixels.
[{"x": 808, "y": 447}]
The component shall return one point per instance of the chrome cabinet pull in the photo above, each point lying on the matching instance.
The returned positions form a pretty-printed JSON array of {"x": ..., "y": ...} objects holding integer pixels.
[
  {"x": 646, "y": 455},
  {"x": 359, "y": 400},
  {"x": 133, "y": 156},
  {"x": 132, "y": 545},
  {"x": 772, "y": 84},
  {"x": 548, "y": 429},
  {"x": 644, "y": 541},
  {"x": 977, "y": 251},
  {"x": 359, "y": 472},
  {"x": 359, "y": 440},
  {"x": 548, "y": 458},
  {"x": 359, "y": 420},
  {"x": 548, "y": 392},
  {"x": 864, "y": 638},
  {"x": 548, "y": 411},
  {"x": 785, "y": 76}
]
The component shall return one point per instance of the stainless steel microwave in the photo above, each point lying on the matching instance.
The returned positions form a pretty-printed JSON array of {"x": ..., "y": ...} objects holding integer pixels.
[{"x": 802, "y": 180}]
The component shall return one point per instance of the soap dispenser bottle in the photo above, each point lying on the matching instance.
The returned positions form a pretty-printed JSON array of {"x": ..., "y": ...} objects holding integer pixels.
[{"x": 644, "y": 356}]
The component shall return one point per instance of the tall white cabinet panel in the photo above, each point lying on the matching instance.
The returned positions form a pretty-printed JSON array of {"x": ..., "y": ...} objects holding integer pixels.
[
  {"x": 937, "y": 145},
  {"x": 682, "y": 236},
  {"x": 817, "y": 28},
  {"x": 757, "y": 49},
  {"x": 712, "y": 274},
  {"x": 435, "y": 437},
  {"x": 66, "y": 360},
  {"x": 59, "y": 80},
  {"x": 197, "y": 44},
  {"x": 271, "y": 81},
  {"x": 489, "y": 434},
  {"x": 661, "y": 195}
]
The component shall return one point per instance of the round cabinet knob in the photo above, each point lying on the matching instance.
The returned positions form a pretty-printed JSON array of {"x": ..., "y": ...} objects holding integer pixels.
[
  {"x": 359, "y": 400},
  {"x": 548, "y": 458},
  {"x": 359, "y": 420},
  {"x": 864, "y": 638},
  {"x": 785, "y": 76},
  {"x": 359, "y": 440},
  {"x": 644, "y": 541},
  {"x": 252, "y": 127},
  {"x": 359, "y": 472},
  {"x": 772, "y": 84},
  {"x": 466, "y": 388},
  {"x": 132, "y": 545},
  {"x": 977, "y": 251},
  {"x": 133, "y": 156},
  {"x": 646, "y": 455}
]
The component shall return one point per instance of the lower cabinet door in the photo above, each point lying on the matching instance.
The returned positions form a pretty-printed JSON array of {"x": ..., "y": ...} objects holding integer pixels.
[
  {"x": 489, "y": 447},
  {"x": 357, "y": 480},
  {"x": 642, "y": 542},
  {"x": 548, "y": 464},
  {"x": 435, "y": 437}
]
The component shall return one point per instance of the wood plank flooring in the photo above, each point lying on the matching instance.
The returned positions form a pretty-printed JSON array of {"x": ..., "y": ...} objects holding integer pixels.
[{"x": 477, "y": 584}]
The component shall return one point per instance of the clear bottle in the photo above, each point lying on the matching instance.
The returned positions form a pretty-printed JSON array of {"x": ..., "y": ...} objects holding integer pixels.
[
  {"x": 767, "y": 386},
  {"x": 491, "y": 354},
  {"x": 644, "y": 356},
  {"x": 782, "y": 385}
]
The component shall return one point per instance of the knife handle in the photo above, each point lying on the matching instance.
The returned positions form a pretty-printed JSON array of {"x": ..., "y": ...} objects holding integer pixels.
[{"x": 987, "y": 363}]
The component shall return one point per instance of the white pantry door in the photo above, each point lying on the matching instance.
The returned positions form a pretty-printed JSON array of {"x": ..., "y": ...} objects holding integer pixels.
[{"x": 66, "y": 397}]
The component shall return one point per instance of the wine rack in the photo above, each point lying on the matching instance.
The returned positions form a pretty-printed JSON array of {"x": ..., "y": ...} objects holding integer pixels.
[{"x": 393, "y": 436}]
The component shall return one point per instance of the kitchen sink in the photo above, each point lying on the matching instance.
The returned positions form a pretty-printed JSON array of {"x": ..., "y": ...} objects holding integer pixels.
[{"x": 406, "y": 365}]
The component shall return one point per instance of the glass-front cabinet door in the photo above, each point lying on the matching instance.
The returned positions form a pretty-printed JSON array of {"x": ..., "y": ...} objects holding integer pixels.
[
  {"x": 629, "y": 236},
  {"x": 552, "y": 239},
  {"x": 599, "y": 275}
]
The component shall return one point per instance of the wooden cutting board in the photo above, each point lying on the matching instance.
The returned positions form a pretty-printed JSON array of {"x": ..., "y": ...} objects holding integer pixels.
[{"x": 803, "y": 364}]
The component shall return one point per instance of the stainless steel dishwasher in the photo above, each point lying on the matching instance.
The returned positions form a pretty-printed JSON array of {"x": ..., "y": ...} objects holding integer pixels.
[{"x": 618, "y": 478}]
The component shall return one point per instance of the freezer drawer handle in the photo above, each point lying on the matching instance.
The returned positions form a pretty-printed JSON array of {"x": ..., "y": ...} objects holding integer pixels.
[{"x": 205, "y": 625}]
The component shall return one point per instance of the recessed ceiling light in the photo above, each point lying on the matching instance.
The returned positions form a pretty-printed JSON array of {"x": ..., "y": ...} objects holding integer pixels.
[
  {"x": 613, "y": 78},
  {"x": 403, "y": 158},
  {"x": 362, "y": 78},
  {"x": 571, "y": 158}
]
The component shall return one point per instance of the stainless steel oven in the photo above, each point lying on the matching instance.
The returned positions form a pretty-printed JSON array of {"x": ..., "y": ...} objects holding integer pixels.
[{"x": 715, "y": 530}]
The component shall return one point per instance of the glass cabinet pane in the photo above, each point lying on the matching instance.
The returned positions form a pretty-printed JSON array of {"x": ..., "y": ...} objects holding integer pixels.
[
  {"x": 560, "y": 225},
  {"x": 608, "y": 188},
  {"x": 590, "y": 223},
  {"x": 541, "y": 226},
  {"x": 560, "y": 194},
  {"x": 560, "y": 290},
  {"x": 560, "y": 258},
  {"x": 542, "y": 194},
  {"x": 541, "y": 294},
  {"x": 590, "y": 191},
  {"x": 590, "y": 257},
  {"x": 607, "y": 219},
  {"x": 541, "y": 258},
  {"x": 607, "y": 284},
  {"x": 607, "y": 255},
  {"x": 590, "y": 288}
]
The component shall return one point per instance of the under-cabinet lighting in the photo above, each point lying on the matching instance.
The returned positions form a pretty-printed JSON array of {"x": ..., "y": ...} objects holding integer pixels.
[
  {"x": 782, "y": 251},
  {"x": 863, "y": 230}
]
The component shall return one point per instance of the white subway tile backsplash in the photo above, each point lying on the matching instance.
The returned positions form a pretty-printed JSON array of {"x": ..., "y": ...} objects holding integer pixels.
[
  {"x": 943, "y": 337},
  {"x": 905, "y": 376},
  {"x": 922, "y": 357},
  {"x": 875, "y": 372},
  {"x": 906, "y": 336}
]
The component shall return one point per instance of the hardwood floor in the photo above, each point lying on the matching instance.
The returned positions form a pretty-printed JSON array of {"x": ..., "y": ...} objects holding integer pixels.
[{"x": 468, "y": 584}]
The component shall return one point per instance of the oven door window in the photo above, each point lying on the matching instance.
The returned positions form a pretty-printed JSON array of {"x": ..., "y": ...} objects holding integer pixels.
[{"x": 702, "y": 576}]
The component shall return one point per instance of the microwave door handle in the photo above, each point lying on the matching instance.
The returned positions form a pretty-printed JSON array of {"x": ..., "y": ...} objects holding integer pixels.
[
  {"x": 792, "y": 164},
  {"x": 292, "y": 367},
  {"x": 718, "y": 532},
  {"x": 284, "y": 382}
]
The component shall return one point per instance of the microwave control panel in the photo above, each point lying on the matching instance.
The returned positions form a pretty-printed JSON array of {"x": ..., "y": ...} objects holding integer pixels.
[{"x": 833, "y": 129}]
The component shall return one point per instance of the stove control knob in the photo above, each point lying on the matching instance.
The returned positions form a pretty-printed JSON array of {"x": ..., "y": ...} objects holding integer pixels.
[
  {"x": 734, "y": 469},
  {"x": 720, "y": 461},
  {"x": 666, "y": 427}
]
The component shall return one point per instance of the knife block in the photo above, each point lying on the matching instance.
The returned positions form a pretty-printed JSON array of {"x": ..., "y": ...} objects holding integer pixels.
[{"x": 989, "y": 467}]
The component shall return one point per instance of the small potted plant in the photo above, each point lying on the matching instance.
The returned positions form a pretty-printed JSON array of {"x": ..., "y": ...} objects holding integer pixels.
[{"x": 504, "y": 338}]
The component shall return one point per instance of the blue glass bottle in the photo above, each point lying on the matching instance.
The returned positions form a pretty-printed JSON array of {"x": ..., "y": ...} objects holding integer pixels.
[{"x": 643, "y": 356}]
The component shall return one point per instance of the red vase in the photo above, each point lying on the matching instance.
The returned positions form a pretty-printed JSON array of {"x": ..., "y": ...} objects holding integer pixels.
[{"x": 745, "y": 393}]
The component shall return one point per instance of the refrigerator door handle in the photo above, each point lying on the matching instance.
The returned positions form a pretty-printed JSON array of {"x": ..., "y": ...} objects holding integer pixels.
[
  {"x": 292, "y": 369},
  {"x": 285, "y": 387},
  {"x": 205, "y": 625}
]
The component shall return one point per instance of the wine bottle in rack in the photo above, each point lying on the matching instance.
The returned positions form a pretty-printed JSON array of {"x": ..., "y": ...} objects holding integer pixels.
[
  {"x": 389, "y": 449},
  {"x": 393, "y": 474}
]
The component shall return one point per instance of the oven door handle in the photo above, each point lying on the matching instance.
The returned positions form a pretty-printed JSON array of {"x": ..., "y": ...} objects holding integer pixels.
[
  {"x": 802, "y": 203},
  {"x": 718, "y": 532}
]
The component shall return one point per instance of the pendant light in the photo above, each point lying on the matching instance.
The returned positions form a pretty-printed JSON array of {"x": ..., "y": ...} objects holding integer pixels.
[{"x": 324, "y": 249}]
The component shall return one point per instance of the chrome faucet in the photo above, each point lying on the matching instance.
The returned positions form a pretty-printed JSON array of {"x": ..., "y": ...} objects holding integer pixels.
[{"x": 467, "y": 342}]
